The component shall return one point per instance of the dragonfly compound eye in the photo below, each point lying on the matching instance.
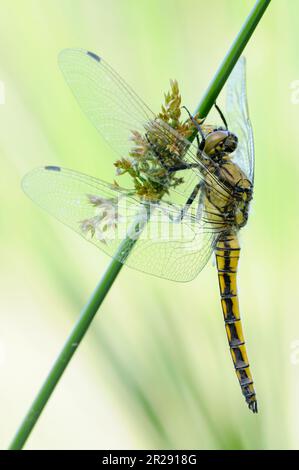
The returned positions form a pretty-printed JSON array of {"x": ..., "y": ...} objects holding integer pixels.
[{"x": 231, "y": 143}]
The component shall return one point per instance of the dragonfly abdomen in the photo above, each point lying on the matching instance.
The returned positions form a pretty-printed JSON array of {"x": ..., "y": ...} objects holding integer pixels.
[{"x": 227, "y": 252}]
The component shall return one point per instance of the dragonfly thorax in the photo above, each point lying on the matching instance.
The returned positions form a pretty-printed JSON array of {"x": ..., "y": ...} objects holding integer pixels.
[{"x": 242, "y": 196}]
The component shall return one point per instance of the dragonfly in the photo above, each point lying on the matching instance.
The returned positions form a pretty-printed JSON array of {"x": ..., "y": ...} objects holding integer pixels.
[{"x": 193, "y": 184}]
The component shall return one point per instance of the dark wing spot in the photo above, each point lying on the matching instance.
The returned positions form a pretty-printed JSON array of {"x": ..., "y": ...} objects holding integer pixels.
[
  {"x": 53, "y": 168},
  {"x": 94, "y": 56}
]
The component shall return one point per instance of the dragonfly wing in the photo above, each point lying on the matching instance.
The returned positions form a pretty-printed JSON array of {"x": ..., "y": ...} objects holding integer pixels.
[
  {"x": 116, "y": 110},
  {"x": 111, "y": 105},
  {"x": 105, "y": 215},
  {"x": 238, "y": 118},
  {"x": 173, "y": 260}
]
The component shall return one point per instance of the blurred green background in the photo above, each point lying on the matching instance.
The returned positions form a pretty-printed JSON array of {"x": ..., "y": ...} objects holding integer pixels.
[{"x": 154, "y": 371}]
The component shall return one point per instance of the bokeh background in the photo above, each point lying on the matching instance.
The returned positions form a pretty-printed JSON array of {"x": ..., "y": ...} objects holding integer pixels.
[{"x": 154, "y": 371}]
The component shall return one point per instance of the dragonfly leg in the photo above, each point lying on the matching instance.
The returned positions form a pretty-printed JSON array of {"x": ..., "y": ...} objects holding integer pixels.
[
  {"x": 166, "y": 167},
  {"x": 190, "y": 200},
  {"x": 182, "y": 166},
  {"x": 172, "y": 169},
  {"x": 221, "y": 115},
  {"x": 202, "y": 144}
]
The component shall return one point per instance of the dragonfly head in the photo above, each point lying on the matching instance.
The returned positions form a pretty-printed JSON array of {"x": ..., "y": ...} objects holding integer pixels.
[{"x": 220, "y": 141}]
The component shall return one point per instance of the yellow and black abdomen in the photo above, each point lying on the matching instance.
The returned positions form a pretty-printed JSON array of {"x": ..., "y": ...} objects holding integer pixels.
[{"x": 227, "y": 253}]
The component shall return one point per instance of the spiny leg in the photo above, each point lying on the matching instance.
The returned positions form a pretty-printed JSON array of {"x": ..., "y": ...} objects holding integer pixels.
[
  {"x": 201, "y": 145},
  {"x": 221, "y": 115},
  {"x": 182, "y": 166},
  {"x": 190, "y": 200},
  {"x": 172, "y": 169}
]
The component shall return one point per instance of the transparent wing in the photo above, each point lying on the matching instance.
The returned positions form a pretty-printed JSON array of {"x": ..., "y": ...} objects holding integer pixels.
[
  {"x": 110, "y": 104},
  {"x": 238, "y": 118},
  {"x": 116, "y": 110},
  {"x": 105, "y": 215}
]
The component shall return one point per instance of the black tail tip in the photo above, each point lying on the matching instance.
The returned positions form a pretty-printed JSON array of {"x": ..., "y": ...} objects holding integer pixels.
[{"x": 253, "y": 406}]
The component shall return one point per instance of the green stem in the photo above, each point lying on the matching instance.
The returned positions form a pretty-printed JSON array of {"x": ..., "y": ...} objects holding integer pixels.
[
  {"x": 70, "y": 346},
  {"x": 231, "y": 58},
  {"x": 126, "y": 246}
]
